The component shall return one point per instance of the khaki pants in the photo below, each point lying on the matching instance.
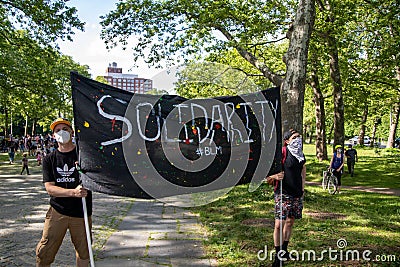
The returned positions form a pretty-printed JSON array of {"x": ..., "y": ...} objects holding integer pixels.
[{"x": 55, "y": 228}]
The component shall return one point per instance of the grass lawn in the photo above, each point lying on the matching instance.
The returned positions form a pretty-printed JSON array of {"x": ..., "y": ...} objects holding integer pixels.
[
  {"x": 15, "y": 168},
  {"x": 240, "y": 224},
  {"x": 375, "y": 167}
]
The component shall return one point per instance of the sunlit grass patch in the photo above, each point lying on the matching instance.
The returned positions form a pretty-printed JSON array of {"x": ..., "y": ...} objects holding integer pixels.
[
  {"x": 239, "y": 225},
  {"x": 372, "y": 169}
]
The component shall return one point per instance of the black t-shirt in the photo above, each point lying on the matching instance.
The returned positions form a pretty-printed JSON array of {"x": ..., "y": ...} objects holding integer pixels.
[
  {"x": 59, "y": 167},
  {"x": 292, "y": 183},
  {"x": 351, "y": 154}
]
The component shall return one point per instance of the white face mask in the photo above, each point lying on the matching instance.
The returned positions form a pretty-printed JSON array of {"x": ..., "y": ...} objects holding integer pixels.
[
  {"x": 295, "y": 147},
  {"x": 296, "y": 143},
  {"x": 62, "y": 136},
  {"x": 339, "y": 150}
]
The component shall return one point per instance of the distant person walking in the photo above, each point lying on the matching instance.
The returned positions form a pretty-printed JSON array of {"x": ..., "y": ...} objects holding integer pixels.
[
  {"x": 21, "y": 144},
  {"x": 11, "y": 151},
  {"x": 39, "y": 158},
  {"x": 25, "y": 165},
  {"x": 337, "y": 163},
  {"x": 351, "y": 156}
]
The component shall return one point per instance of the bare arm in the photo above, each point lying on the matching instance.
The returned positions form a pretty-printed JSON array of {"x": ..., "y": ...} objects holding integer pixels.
[
  {"x": 341, "y": 166},
  {"x": 330, "y": 164},
  {"x": 303, "y": 176},
  {"x": 57, "y": 191}
]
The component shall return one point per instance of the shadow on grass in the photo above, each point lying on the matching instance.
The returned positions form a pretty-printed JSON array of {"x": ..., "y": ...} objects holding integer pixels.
[
  {"x": 366, "y": 221},
  {"x": 15, "y": 169},
  {"x": 378, "y": 172}
]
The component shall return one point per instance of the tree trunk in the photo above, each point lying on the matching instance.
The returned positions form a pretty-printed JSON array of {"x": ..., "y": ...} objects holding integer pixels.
[
  {"x": 293, "y": 87},
  {"x": 329, "y": 136},
  {"x": 338, "y": 109},
  {"x": 5, "y": 122},
  {"x": 33, "y": 128},
  {"x": 393, "y": 125},
  {"x": 320, "y": 127},
  {"x": 11, "y": 124},
  {"x": 373, "y": 134},
  {"x": 395, "y": 116},
  {"x": 304, "y": 134},
  {"x": 26, "y": 126},
  {"x": 363, "y": 127}
]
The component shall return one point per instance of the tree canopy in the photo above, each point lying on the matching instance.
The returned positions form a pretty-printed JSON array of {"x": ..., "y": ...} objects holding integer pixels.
[
  {"x": 176, "y": 30},
  {"x": 34, "y": 75},
  {"x": 351, "y": 60},
  {"x": 44, "y": 21}
]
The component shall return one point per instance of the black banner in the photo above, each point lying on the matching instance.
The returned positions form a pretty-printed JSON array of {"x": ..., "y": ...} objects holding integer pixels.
[{"x": 148, "y": 146}]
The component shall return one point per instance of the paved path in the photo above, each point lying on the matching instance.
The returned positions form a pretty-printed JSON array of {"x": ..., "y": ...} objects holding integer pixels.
[
  {"x": 127, "y": 232},
  {"x": 153, "y": 234},
  {"x": 387, "y": 191}
]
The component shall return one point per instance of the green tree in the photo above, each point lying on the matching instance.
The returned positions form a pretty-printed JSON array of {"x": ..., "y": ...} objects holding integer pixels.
[
  {"x": 45, "y": 21},
  {"x": 101, "y": 79},
  {"x": 34, "y": 76},
  {"x": 34, "y": 81},
  {"x": 155, "y": 91},
  {"x": 226, "y": 73},
  {"x": 176, "y": 29},
  {"x": 380, "y": 40},
  {"x": 348, "y": 49},
  {"x": 316, "y": 82},
  {"x": 369, "y": 46},
  {"x": 332, "y": 33}
]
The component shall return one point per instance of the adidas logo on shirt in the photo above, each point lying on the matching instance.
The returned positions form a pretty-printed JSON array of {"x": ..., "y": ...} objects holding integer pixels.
[
  {"x": 65, "y": 172},
  {"x": 66, "y": 180}
]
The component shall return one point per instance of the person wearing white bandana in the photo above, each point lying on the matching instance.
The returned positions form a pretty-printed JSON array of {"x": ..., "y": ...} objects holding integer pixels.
[
  {"x": 288, "y": 193},
  {"x": 61, "y": 180}
]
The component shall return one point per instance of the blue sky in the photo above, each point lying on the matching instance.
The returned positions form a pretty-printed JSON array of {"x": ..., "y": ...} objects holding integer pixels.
[{"x": 88, "y": 49}]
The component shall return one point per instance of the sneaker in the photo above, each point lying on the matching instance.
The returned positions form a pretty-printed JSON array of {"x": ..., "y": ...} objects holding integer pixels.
[
  {"x": 286, "y": 257},
  {"x": 277, "y": 263}
]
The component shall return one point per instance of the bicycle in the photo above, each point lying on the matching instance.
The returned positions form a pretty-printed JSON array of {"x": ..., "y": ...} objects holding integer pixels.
[{"x": 329, "y": 181}]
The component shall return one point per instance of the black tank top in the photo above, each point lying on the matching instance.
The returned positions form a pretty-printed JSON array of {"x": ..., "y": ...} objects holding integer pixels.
[{"x": 292, "y": 182}]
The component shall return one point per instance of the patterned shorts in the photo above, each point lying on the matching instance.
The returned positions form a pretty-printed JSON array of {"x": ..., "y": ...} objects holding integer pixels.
[{"x": 292, "y": 207}]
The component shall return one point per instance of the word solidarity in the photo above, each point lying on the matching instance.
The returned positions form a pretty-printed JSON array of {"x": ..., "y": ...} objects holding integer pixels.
[{"x": 142, "y": 145}]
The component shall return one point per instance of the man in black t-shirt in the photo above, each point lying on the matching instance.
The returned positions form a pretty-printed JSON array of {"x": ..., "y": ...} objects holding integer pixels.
[
  {"x": 61, "y": 180},
  {"x": 288, "y": 193},
  {"x": 351, "y": 155}
]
